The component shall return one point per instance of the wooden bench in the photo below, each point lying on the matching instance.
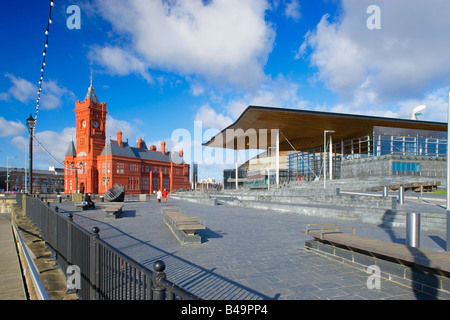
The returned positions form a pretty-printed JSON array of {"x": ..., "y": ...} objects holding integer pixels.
[
  {"x": 113, "y": 210},
  {"x": 183, "y": 227},
  {"x": 403, "y": 254}
]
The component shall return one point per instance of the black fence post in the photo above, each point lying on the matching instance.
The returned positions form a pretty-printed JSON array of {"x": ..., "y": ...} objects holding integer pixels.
[
  {"x": 94, "y": 265},
  {"x": 69, "y": 238},
  {"x": 159, "y": 292}
]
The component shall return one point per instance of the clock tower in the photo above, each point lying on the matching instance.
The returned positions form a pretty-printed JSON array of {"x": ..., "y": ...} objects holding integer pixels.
[{"x": 90, "y": 117}]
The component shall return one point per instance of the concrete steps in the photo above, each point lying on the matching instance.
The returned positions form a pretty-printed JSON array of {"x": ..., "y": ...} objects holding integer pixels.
[{"x": 310, "y": 198}]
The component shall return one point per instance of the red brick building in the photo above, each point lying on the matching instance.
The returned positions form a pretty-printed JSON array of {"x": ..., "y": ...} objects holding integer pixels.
[{"x": 94, "y": 166}]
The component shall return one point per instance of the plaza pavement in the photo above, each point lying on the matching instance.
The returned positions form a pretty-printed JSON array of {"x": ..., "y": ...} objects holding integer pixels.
[{"x": 246, "y": 253}]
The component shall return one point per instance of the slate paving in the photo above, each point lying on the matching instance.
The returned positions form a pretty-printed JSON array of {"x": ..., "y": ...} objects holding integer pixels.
[{"x": 246, "y": 254}]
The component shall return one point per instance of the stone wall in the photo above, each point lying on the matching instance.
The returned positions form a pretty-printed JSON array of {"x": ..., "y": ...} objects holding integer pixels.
[
  {"x": 316, "y": 201},
  {"x": 381, "y": 166}
]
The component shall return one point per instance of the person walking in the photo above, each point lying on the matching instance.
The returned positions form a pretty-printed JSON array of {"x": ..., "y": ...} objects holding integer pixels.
[
  {"x": 158, "y": 195},
  {"x": 164, "y": 194}
]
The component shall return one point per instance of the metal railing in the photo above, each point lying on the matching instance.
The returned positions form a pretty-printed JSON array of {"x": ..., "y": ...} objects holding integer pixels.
[
  {"x": 28, "y": 264},
  {"x": 105, "y": 272}
]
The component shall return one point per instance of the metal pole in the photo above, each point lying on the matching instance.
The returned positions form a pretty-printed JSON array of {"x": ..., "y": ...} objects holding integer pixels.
[
  {"x": 268, "y": 170},
  {"x": 94, "y": 265},
  {"x": 277, "y": 160},
  {"x": 25, "y": 174},
  {"x": 324, "y": 159},
  {"x": 30, "y": 165},
  {"x": 413, "y": 229},
  {"x": 421, "y": 192},
  {"x": 385, "y": 191},
  {"x": 7, "y": 175},
  {"x": 330, "y": 156},
  {"x": 236, "y": 168},
  {"x": 325, "y": 156},
  {"x": 401, "y": 197}
]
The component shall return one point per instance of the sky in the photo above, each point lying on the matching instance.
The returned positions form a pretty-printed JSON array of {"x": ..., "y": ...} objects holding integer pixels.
[{"x": 193, "y": 66}]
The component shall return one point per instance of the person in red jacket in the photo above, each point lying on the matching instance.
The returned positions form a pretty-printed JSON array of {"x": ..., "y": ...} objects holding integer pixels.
[{"x": 164, "y": 194}]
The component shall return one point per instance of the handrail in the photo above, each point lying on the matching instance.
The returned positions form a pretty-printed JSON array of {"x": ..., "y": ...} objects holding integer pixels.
[{"x": 41, "y": 292}]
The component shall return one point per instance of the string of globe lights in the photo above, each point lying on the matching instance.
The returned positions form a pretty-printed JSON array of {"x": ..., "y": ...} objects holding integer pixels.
[{"x": 41, "y": 79}]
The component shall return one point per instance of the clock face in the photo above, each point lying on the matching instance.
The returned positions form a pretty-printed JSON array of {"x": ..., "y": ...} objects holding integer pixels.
[
  {"x": 84, "y": 123},
  {"x": 95, "y": 124}
]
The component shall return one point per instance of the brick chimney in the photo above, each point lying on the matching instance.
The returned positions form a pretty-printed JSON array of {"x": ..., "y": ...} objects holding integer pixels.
[
  {"x": 140, "y": 143},
  {"x": 119, "y": 138},
  {"x": 163, "y": 147}
]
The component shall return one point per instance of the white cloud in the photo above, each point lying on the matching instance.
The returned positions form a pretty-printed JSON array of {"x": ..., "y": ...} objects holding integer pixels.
[
  {"x": 114, "y": 125},
  {"x": 197, "y": 89},
  {"x": 225, "y": 41},
  {"x": 119, "y": 62},
  {"x": 292, "y": 10},
  {"x": 21, "y": 90},
  {"x": 50, "y": 147},
  {"x": 436, "y": 102},
  {"x": 279, "y": 92},
  {"x": 11, "y": 128},
  {"x": 211, "y": 119},
  {"x": 405, "y": 59},
  {"x": 52, "y": 94},
  {"x": 55, "y": 144}
]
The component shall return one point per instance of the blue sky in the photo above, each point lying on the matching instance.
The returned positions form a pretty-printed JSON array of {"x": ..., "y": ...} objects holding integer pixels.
[{"x": 167, "y": 65}]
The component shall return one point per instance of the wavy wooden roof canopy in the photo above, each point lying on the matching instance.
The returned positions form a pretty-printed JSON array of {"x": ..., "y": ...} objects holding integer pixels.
[{"x": 304, "y": 129}]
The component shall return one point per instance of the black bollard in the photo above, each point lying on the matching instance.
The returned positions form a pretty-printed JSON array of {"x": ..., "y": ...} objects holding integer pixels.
[{"x": 158, "y": 292}]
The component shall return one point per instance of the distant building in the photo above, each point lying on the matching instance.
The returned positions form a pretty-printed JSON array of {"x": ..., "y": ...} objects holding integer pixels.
[
  {"x": 257, "y": 172},
  {"x": 94, "y": 166},
  {"x": 336, "y": 146},
  {"x": 44, "y": 181}
]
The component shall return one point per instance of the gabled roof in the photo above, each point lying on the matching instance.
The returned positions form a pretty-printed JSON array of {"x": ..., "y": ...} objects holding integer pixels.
[{"x": 113, "y": 148}]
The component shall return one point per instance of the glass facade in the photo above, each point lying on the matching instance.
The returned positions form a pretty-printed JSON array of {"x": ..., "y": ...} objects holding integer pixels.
[
  {"x": 229, "y": 176},
  {"x": 405, "y": 168},
  {"x": 409, "y": 142},
  {"x": 381, "y": 141}
]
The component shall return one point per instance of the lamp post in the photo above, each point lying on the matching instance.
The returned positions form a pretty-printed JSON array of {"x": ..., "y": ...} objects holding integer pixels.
[
  {"x": 7, "y": 172},
  {"x": 325, "y": 156},
  {"x": 30, "y": 125}
]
